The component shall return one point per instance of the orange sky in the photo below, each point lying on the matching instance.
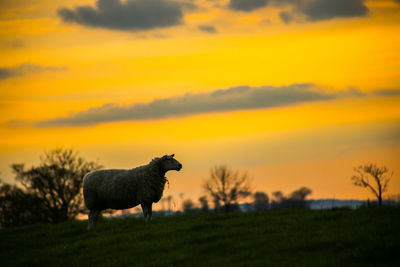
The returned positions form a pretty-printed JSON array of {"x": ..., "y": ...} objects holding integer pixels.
[{"x": 322, "y": 88}]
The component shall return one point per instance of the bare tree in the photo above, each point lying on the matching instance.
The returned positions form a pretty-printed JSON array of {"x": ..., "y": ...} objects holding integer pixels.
[
  {"x": 57, "y": 182},
  {"x": 226, "y": 186},
  {"x": 373, "y": 177}
]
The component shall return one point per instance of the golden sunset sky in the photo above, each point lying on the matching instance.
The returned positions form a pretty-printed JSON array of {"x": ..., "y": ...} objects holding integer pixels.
[{"x": 295, "y": 92}]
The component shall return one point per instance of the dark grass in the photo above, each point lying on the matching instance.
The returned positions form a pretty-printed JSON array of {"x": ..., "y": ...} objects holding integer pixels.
[{"x": 278, "y": 237}]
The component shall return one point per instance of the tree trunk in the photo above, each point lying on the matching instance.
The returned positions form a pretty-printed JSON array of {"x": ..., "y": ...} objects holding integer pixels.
[{"x": 380, "y": 200}]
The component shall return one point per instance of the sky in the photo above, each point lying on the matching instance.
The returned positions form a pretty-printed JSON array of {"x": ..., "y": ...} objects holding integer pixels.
[{"x": 292, "y": 92}]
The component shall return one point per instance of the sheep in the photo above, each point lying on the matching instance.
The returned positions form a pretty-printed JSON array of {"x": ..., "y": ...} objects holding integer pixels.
[{"x": 123, "y": 189}]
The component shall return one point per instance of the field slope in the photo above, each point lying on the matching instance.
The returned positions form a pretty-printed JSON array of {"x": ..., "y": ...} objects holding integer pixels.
[{"x": 278, "y": 237}]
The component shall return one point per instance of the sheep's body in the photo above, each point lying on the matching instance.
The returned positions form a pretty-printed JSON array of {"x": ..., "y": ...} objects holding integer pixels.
[{"x": 123, "y": 189}]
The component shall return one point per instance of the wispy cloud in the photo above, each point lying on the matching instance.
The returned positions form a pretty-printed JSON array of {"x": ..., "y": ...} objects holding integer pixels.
[
  {"x": 286, "y": 17},
  {"x": 310, "y": 10},
  {"x": 17, "y": 44},
  {"x": 386, "y": 92},
  {"x": 207, "y": 28},
  {"x": 329, "y": 9},
  {"x": 247, "y": 5},
  {"x": 235, "y": 98},
  {"x": 25, "y": 69},
  {"x": 127, "y": 15}
]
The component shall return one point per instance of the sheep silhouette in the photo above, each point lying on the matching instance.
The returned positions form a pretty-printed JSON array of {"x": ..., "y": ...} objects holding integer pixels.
[{"x": 123, "y": 189}]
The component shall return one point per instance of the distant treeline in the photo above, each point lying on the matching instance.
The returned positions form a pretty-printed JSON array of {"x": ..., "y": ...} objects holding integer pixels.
[{"x": 260, "y": 202}]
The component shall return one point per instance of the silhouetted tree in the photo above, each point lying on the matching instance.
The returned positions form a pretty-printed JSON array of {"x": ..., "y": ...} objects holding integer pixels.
[
  {"x": 188, "y": 205},
  {"x": 203, "y": 203},
  {"x": 277, "y": 200},
  {"x": 57, "y": 182},
  {"x": 169, "y": 200},
  {"x": 260, "y": 201},
  {"x": 379, "y": 182},
  {"x": 18, "y": 207},
  {"x": 217, "y": 205},
  {"x": 278, "y": 196},
  {"x": 301, "y": 193},
  {"x": 226, "y": 186},
  {"x": 297, "y": 199}
]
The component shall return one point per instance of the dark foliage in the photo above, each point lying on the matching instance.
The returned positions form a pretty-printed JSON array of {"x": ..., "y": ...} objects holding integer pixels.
[
  {"x": 52, "y": 191},
  {"x": 261, "y": 201},
  {"x": 19, "y": 208},
  {"x": 204, "y": 204},
  {"x": 297, "y": 199},
  {"x": 188, "y": 206}
]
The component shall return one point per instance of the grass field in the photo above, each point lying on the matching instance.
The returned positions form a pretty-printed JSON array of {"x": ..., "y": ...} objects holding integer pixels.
[{"x": 277, "y": 237}]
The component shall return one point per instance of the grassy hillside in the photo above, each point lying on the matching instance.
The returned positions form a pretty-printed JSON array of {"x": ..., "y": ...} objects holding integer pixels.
[{"x": 278, "y": 237}]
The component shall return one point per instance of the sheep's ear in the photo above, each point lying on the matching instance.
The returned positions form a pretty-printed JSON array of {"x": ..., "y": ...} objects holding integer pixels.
[{"x": 172, "y": 155}]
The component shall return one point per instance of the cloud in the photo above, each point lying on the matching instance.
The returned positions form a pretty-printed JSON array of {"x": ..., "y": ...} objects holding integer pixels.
[
  {"x": 247, "y": 5},
  {"x": 328, "y": 9},
  {"x": 129, "y": 15},
  {"x": 25, "y": 69},
  {"x": 311, "y": 10},
  {"x": 6, "y": 73},
  {"x": 17, "y": 44},
  {"x": 207, "y": 28},
  {"x": 235, "y": 98},
  {"x": 286, "y": 17},
  {"x": 387, "y": 92}
]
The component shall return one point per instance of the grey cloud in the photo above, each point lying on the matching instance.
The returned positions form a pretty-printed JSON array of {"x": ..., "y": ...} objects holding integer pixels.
[
  {"x": 328, "y": 9},
  {"x": 207, "y": 28},
  {"x": 6, "y": 73},
  {"x": 235, "y": 98},
  {"x": 25, "y": 69},
  {"x": 129, "y": 15},
  {"x": 17, "y": 44},
  {"x": 247, "y": 5},
  {"x": 286, "y": 17},
  {"x": 354, "y": 92},
  {"x": 312, "y": 10},
  {"x": 387, "y": 92}
]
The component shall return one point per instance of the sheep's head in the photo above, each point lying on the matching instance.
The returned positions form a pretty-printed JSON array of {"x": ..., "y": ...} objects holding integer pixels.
[{"x": 169, "y": 163}]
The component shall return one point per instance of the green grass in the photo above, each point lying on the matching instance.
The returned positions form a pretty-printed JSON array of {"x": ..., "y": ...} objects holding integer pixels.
[{"x": 278, "y": 237}]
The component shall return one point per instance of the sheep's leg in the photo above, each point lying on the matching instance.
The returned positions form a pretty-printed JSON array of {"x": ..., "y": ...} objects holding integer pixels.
[
  {"x": 146, "y": 211},
  {"x": 90, "y": 220},
  {"x": 149, "y": 212},
  {"x": 93, "y": 215},
  {"x": 96, "y": 216}
]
